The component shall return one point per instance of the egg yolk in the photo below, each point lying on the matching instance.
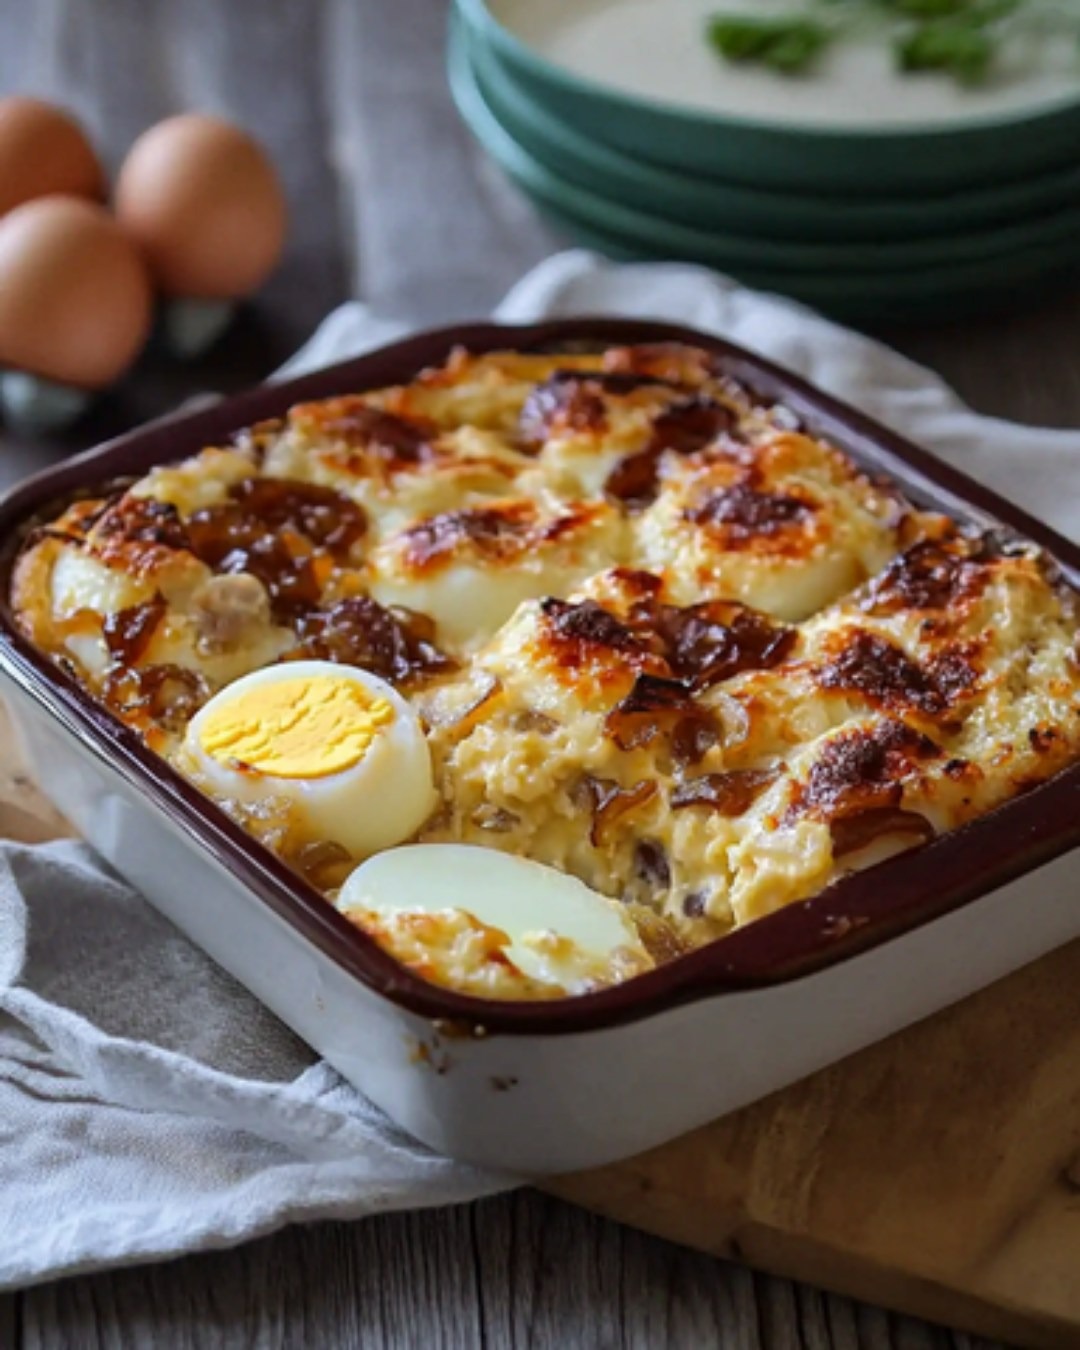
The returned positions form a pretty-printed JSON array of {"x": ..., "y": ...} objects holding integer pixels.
[{"x": 298, "y": 728}]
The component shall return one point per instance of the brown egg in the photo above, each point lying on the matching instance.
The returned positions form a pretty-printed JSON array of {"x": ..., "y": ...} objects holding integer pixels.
[
  {"x": 205, "y": 205},
  {"x": 42, "y": 151},
  {"x": 75, "y": 299}
]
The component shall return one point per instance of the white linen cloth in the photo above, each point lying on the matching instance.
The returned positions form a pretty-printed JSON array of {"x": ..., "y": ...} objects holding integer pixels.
[{"x": 148, "y": 1105}]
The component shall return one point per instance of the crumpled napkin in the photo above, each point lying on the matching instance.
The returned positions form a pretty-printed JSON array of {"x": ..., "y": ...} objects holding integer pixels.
[{"x": 148, "y": 1105}]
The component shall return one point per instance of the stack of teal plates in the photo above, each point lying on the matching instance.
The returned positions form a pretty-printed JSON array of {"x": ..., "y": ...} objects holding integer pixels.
[{"x": 869, "y": 194}]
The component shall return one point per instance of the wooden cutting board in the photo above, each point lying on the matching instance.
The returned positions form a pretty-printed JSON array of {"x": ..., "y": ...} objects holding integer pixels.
[{"x": 937, "y": 1173}]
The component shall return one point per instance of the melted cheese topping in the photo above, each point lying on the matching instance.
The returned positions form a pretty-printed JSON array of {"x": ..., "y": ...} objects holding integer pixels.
[{"x": 658, "y": 634}]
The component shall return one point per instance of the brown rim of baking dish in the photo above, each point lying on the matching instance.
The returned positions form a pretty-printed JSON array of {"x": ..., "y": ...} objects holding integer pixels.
[{"x": 854, "y": 913}]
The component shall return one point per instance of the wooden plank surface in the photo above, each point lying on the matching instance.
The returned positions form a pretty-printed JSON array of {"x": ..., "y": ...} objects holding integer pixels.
[{"x": 390, "y": 200}]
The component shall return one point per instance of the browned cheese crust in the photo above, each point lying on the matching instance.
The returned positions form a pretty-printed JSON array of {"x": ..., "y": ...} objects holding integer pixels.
[{"x": 661, "y": 635}]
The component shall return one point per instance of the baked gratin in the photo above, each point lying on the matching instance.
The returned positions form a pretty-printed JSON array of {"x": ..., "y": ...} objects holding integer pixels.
[{"x": 643, "y": 656}]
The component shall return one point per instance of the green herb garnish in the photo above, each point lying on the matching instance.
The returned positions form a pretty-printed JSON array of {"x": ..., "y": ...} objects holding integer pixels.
[
  {"x": 959, "y": 49},
  {"x": 961, "y": 38},
  {"x": 788, "y": 45}
]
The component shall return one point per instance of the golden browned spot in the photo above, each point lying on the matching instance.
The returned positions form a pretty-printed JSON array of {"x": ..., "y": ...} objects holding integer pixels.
[
  {"x": 684, "y": 427},
  {"x": 1043, "y": 738},
  {"x": 137, "y": 535},
  {"x": 498, "y": 533},
  {"x": 668, "y": 362},
  {"x": 635, "y": 480},
  {"x": 741, "y": 516},
  {"x": 395, "y": 441},
  {"x": 141, "y": 520},
  {"x": 691, "y": 424},
  {"x": 930, "y": 575},
  {"x": 565, "y": 402},
  {"x": 698, "y": 645},
  {"x": 580, "y": 627},
  {"x": 870, "y": 665},
  {"x": 257, "y": 439},
  {"x": 864, "y": 769},
  {"x": 584, "y": 639}
]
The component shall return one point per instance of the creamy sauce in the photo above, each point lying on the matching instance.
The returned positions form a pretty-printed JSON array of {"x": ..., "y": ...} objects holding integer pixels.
[{"x": 657, "y": 49}]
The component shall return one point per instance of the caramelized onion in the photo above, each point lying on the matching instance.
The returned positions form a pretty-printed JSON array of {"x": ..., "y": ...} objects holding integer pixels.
[
  {"x": 327, "y": 518},
  {"x": 651, "y": 864},
  {"x": 273, "y": 528},
  {"x": 495, "y": 819},
  {"x": 713, "y": 641},
  {"x": 324, "y": 863},
  {"x": 657, "y": 934},
  {"x": 129, "y": 632},
  {"x": 634, "y": 481},
  {"x": 691, "y": 424},
  {"x": 732, "y": 716},
  {"x": 656, "y": 705},
  {"x": 443, "y": 711},
  {"x": 854, "y": 832},
  {"x": 694, "y": 905},
  {"x": 394, "y": 643},
  {"x": 728, "y": 794},
  {"x": 167, "y": 694},
  {"x": 610, "y": 803}
]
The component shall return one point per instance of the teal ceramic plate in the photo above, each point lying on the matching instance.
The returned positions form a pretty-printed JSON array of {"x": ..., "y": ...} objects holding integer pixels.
[
  {"x": 711, "y": 204},
  {"x": 862, "y": 152},
  {"x": 1056, "y": 234},
  {"x": 931, "y": 297}
]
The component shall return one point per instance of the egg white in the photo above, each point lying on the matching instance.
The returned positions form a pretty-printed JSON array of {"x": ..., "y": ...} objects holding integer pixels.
[
  {"x": 371, "y": 805},
  {"x": 468, "y": 602},
  {"x": 526, "y": 900}
]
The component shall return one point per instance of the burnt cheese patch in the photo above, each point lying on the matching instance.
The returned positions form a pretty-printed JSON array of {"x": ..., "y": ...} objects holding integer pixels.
[{"x": 878, "y": 669}]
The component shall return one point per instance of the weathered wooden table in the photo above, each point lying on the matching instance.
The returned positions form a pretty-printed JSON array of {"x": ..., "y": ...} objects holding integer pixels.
[{"x": 392, "y": 202}]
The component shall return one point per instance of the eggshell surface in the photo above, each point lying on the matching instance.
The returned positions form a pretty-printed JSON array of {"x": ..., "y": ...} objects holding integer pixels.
[
  {"x": 75, "y": 298},
  {"x": 43, "y": 151},
  {"x": 205, "y": 205}
]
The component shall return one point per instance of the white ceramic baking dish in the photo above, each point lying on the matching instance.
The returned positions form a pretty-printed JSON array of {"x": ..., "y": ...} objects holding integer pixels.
[{"x": 555, "y": 1086}]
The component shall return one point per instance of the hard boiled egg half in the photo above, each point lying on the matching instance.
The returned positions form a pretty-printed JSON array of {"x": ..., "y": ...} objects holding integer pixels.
[
  {"x": 339, "y": 745},
  {"x": 541, "y": 926}
]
